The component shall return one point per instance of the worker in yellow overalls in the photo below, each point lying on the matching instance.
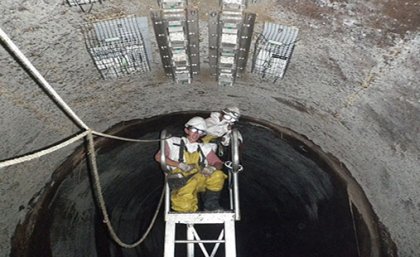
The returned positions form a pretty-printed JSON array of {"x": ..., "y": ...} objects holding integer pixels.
[{"x": 197, "y": 162}]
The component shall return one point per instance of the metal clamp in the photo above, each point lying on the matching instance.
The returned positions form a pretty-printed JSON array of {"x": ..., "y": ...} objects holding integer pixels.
[{"x": 228, "y": 164}]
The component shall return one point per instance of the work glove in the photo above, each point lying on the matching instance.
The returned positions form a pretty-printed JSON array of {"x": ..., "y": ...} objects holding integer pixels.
[
  {"x": 185, "y": 167},
  {"x": 208, "y": 170},
  {"x": 226, "y": 139}
]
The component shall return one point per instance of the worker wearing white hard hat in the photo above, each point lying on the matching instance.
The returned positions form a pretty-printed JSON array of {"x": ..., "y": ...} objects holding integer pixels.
[
  {"x": 198, "y": 162},
  {"x": 219, "y": 125}
]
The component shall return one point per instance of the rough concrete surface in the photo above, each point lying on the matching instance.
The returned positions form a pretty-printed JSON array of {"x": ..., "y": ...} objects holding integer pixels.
[{"x": 352, "y": 87}]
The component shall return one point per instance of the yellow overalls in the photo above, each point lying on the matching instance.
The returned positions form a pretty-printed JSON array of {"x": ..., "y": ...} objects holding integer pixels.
[
  {"x": 208, "y": 138},
  {"x": 185, "y": 199}
]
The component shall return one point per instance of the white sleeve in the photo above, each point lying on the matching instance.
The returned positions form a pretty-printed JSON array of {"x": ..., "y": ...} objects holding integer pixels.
[
  {"x": 213, "y": 119},
  {"x": 173, "y": 149}
]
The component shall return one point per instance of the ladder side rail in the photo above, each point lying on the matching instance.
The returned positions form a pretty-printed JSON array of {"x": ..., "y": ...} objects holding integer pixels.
[
  {"x": 235, "y": 169},
  {"x": 230, "y": 187},
  {"x": 236, "y": 197},
  {"x": 164, "y": 167},
  {"x": 169, "y": 247},
  {"x": 167, "y": 200},
  {"x": 230, "y": 244},
  {"x": 190, "y": 238}
]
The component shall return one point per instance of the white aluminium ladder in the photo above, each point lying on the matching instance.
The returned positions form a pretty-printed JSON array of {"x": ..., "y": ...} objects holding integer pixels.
[
  {"x": 226, "y": 218},
  {"x": 226, "y": 236}
]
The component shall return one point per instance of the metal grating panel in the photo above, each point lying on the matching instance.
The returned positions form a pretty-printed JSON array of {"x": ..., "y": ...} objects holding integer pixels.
[
  {"x": 230, "y": 35},
  {"x": 80, "y": 2},
  {"x": 119, "y": 46},
  {"x": 273, "y": 50}
]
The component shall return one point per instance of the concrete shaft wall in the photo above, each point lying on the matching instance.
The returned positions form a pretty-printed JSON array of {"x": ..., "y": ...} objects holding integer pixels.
[{"x": 352, "y": 88}]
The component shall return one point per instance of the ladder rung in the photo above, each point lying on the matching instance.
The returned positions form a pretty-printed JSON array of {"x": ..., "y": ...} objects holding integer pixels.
[{"x": 198, "y": 241}]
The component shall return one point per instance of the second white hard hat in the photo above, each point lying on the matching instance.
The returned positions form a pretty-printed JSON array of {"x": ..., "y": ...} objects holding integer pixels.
[{"x": 232, "y": 111}]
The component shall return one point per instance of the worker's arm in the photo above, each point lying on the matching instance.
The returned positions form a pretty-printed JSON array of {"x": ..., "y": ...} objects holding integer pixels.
[
  {"x": 214, "y": 161},
  {"x": 169, "y": 162}
]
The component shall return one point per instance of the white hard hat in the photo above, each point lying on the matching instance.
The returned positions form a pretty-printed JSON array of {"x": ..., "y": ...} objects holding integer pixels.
[
  {"x": 198, "y": 123},
  {"x": 232, "y": 111}
]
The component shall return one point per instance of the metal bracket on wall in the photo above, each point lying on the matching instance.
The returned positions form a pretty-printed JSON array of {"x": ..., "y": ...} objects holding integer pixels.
[
  {"x": 193, "y": 33},
  {"x": 213, "y": 24},
  {"x": 177, "y": 35},
  {"x": 246, "y": 32},
  {"x": 160, "y": 28},
  {"x": 230, "y": 35}
]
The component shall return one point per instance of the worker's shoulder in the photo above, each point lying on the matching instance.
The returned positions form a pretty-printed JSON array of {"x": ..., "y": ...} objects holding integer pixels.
[
  {"x": 214, "y": 116},
  {"x": 174, "y": 140}
]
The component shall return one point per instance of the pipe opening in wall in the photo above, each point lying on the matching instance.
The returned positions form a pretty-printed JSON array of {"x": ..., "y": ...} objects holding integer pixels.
[{"x": 295, "y": 200}]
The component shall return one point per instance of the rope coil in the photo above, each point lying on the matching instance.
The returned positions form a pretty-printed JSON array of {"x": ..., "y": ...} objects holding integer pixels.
[
  {"x": 101, "y": 201},
  {"x": 98, "y": 188},
  {"x": 38, "y": 154},
  {"x": 88, "y": 132},
  {"x": 58, "y": 146},
  {"x": 130, "y": 139}
]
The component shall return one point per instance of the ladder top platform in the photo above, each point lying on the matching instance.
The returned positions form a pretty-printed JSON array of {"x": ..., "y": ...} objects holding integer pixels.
[{"x": 200, "y": 217}]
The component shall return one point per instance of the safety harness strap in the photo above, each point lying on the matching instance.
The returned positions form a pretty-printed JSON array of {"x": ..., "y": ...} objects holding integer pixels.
[
  {"x": 203, "y": 158},
  {"x": 181, "y": 151},
  {"x": 182, "y": 148}
]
